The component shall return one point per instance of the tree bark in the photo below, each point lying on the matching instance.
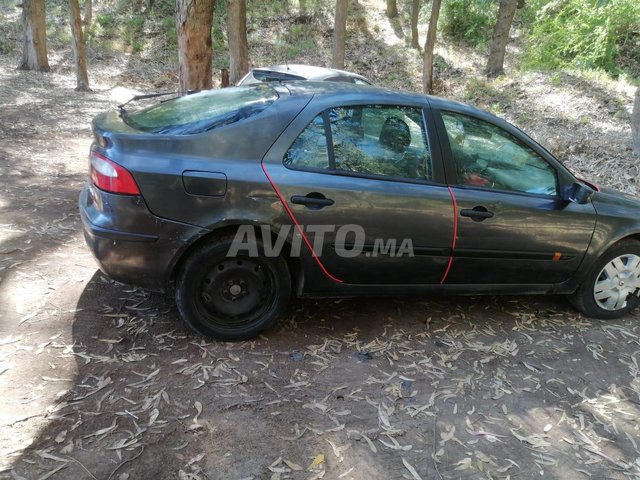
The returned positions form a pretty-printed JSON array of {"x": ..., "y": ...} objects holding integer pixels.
[
  {"x": 392, "y": 9},
  {"x": 506, "y": 12},
  {"x": 415, "y": 13},
  {"x": 79, "y": 48},
  {"x": 224, "y": 78},
  {"x": 237, "y": 35},
  {"x": 635, "y": 124},
  {"x": 34, "y": 49},
  {"x": 339, "y": 34},
  {"x": 427, "y": 65},
  {"x": 193, "y": 21}
]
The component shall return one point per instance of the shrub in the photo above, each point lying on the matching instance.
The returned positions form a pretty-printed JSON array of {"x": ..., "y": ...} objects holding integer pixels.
[
  {"x": 469, "y": 21},
  {"x": 583, "y": 34}
]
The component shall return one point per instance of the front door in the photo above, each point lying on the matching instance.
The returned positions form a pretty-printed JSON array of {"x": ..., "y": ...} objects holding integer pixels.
[
  {"x": 360, "y": 180},
  {"x": 513, "y": 227}
]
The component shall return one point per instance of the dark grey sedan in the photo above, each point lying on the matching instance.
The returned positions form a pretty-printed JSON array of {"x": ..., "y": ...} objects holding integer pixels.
[{"x": 237, "y": 199}]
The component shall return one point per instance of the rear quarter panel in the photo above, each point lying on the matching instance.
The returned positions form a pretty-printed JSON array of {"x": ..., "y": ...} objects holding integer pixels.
[{"x": 157, "y": 163}]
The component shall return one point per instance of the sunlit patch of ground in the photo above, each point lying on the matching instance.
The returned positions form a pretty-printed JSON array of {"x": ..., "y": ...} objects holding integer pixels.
[{"x": 101, "y": 380}]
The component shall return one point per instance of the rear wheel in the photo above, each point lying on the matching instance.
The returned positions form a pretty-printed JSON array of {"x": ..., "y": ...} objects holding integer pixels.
[
  {"x": 231, "y": 298},
  {"x": 612, "y": 288}
]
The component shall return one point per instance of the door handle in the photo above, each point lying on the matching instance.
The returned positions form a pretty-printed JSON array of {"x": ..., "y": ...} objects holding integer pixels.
[
  {"x": 477, "y": 214},
  {"x": 313, "y": 200}
]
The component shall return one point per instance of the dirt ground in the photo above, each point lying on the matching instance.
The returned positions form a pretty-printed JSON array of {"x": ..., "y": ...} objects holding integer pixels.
[{"x": 100, "y": 380}]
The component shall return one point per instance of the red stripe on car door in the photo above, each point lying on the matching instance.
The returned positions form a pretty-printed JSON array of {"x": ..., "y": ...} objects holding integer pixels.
[
  {"x": 455, "y": 234},
  {"x": 298, "y": 226}
]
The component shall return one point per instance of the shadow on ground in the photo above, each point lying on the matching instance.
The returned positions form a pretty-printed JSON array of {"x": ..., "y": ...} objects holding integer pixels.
[{"x": 370, "y": 388}]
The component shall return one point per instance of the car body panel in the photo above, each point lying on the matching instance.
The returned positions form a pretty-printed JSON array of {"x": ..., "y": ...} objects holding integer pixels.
[
  {"x": 158, "y": 163},
  {"x": 618, "y": 219},
  {"x": 130, "y": 244},
  {"x": 420, "y": 211},
  {"x": 530, "y": 238}
]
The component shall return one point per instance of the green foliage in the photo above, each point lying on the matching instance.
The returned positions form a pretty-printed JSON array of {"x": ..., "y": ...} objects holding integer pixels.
[
  {"x": 219, "y": 36},
  {"x": 105, "y": 20},
  {"x": 133, "y": 30},
  {"x": 585, "y": 34},
  {"x": 492, "y": 95},
  {"x": 297, "y": 41},
  {"x": 10, "y": 28},
  {"x": 135, "y": 25},
  {"x": 469, "y": 21},
  {"x": 481, "y": 92},
  {"x": 168, "y": 29}
]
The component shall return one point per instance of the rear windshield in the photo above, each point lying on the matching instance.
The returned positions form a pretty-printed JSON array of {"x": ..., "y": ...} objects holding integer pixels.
[
  {"x": 203, "y": 111},
  {"x": 269, "y": 76}
]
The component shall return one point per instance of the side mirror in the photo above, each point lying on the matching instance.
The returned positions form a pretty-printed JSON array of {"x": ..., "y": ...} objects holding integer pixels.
[{"x": 577, "y": 193}]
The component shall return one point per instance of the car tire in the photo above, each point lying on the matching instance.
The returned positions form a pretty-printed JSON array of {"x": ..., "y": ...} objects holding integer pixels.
[
  {"x": 611, "y": 288},
  {"x": 231, "y": 298}
]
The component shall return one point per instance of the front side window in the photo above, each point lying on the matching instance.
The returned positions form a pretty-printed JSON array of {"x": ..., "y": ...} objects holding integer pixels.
[{"x": 488, "y": 156}]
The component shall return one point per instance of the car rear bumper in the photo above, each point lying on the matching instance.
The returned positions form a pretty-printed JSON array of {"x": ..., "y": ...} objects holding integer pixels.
[{"x": 129, "y": 243}]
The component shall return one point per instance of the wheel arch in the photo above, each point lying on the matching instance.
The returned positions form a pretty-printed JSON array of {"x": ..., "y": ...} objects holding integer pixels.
[
  {"x": 591, "y": 257},
  {"x": 635, "y": 236},
  {"x": 296, "y": 270}
]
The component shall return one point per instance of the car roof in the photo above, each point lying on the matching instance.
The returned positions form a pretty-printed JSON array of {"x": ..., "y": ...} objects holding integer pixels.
[
  {"x": 369, "y": 94},
  {"x": 309, "y": 72},
  {"x": 352, "y": 91},
  {"x": 320, "y": 88}
]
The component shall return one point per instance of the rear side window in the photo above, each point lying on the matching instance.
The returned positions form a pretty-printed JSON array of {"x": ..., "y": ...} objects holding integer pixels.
[
  {"x": 370, "y": 140},
  {"x": 310, "y": 148},
  {"x": 203, "y": 111},
  {"x": 381, "y": 140}
]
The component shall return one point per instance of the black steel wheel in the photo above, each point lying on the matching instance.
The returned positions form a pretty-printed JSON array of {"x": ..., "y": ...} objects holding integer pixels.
[
  {"x": 612, "y": 287},
  {"x": 231, "y": 298}
]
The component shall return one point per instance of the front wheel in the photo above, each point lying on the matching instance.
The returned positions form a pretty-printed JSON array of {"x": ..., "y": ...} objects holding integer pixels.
[
  {"x": 612, "y": 287},
  {"x": 231, "y": 298}
]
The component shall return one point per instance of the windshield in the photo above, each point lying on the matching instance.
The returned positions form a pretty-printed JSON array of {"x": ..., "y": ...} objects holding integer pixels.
[{"x": 203, "y": 111}]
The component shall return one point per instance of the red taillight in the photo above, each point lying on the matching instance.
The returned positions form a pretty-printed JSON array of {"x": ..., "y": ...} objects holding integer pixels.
[{"x": 111, "y": 177}]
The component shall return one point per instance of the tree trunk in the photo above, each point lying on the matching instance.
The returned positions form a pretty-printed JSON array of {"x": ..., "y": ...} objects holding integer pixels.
[
  {"x": 224, "y": 78},
  {"x": 392, "y": 9},
  {"x": 635, "y": 124},
  {"x": 88, "y": 13},
  {"x": 339, "y": 33},
  {"x": 495, "y": 64},
  {"x": 34, "y": 50},
  {"x": 415, "y": 13},
  {"x": 427, "y": 66},
  {"x": 79, "y": 48},
  {"x": 237, "y": 35},
  {"x": 193, "y": 21}
]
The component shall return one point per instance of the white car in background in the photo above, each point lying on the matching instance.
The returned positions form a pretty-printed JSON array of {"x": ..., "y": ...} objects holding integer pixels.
[{"x": 280, "y": 73}]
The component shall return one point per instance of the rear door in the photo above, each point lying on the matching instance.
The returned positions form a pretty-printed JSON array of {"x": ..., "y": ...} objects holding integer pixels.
[
  {"x": 368, "y": 190},
  {"x": 512, "y": 225}
]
